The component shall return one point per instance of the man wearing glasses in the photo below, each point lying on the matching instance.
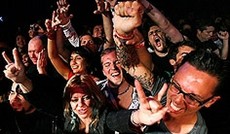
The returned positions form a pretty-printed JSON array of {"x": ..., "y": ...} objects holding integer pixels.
[
  {"x": 195, "y": 85},
  {"x": 189, "y": 98}
]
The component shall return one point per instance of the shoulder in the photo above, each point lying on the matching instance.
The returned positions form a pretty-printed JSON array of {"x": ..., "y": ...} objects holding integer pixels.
[{"x": 200, "y": 126}]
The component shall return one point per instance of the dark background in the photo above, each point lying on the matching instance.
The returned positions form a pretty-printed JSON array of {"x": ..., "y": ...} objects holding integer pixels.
[
  {"x": 18, "y": 14},
  {"x": 15, "y": 14}
]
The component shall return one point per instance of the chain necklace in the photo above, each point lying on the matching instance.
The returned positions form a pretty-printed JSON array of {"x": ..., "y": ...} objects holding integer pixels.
[{"x": 126, "y": 90}]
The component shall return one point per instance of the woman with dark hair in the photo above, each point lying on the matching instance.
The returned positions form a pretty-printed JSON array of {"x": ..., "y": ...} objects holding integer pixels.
[
  {"x": 80, "y": 61},
  {"x": 84, "y": 106}
]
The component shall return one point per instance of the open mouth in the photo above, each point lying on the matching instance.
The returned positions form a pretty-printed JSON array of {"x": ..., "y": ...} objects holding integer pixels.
[
  {"x": 115, "y": 74},
  {"x": 174, "y": 108},
  {"x": 157, "y": 40},
  {"x": 158, "y": 43}
]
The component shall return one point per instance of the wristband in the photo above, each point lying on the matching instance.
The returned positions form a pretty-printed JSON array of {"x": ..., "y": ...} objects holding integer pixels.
[
  {"x": 140, "y": 45},
  {"x": 66, "y": 26},
  {"x": 124, "y": 36},
  {"x": 132, "y": 121},
  {"x": 142, "y": 127},
  {"x": 51, "y": 35}
]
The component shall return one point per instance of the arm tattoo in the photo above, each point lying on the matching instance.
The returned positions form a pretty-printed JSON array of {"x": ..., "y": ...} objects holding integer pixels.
[
  {"x": 146, "y": 82},
  {"x": 129, "y": 60},
  {"x": 127, "y": 55}
]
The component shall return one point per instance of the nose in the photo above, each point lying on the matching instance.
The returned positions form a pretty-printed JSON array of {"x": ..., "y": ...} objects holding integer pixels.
[
  {"x": 31, "y": 54},
  {"x": 73, "y": 60},
  {"x": 86, "y": 42},
  {"x": 80, "y": 103},
  {"x": 179, "y": 98},
  {"x": 113, "y": 66}
]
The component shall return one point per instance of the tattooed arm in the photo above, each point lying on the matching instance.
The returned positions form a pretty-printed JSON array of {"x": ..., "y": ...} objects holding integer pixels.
[
  {"x": 128, "y": 40},
  {"x": 172, "y": 33}
]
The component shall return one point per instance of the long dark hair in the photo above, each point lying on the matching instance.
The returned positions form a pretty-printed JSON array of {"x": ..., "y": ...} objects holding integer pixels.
[{"x": 86, "y": 83}]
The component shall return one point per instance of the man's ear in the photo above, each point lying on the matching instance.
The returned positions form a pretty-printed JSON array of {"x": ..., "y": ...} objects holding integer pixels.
[
  {"x": 212, "y": 101},
  {"x": 172, "y": 62}
]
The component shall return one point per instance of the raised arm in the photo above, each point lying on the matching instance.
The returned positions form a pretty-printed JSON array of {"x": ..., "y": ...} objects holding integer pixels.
[
  {"x": 127, "y": 17},
  {"x": 224, "y": 35},
  {"x": 15, "y": 71},
  {"x": 60, "y": 65},
  {"x": 38, "y": 90},
  {"x": 103, "y": 8},
  {"x": 63, "y": 18},
  {"x": 155, "y": 15},
  {"x": 63, "y": 51},
  {"x": 65, "y": 23}
]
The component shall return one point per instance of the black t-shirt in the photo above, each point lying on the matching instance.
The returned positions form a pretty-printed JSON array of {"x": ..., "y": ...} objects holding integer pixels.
[
  {"x": 206, "y": 45},
  {"x": 19, "y": 123},
  {"x": 162, "y": 67}
]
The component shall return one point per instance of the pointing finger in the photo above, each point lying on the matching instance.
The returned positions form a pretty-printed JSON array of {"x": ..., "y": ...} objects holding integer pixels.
[{"x": 141, "y": 95}]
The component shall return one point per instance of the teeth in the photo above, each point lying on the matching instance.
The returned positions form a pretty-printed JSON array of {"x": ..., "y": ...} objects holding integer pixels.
[
  {"x": 157, "y": 40},
  {"x": 174, "y": 107},
  {"x": 115, "y": 74},
  {"x": 82, "y": 111},
  {"x": 74, "y": 67}
]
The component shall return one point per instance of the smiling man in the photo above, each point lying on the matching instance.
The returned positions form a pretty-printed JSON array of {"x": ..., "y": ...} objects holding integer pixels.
[
  {"x": 188, "y": 92},
  {"x": 195, "y": 85}
]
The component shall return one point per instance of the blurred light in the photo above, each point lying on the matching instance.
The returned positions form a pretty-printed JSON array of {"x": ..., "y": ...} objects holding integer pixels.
[{"x": 1, "y": 19}]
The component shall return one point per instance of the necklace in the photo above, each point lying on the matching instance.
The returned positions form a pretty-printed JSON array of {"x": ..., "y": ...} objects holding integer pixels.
[{"x": 126, "y": 90}]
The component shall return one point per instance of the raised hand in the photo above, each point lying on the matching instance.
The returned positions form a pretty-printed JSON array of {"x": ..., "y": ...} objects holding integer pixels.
[
  {"x": 102, "y": 7},
  {"x": 63, "y": 5},
  {"x": 51, "y": 25},
  {"x": 63, "y": 14},
  {"x": 14, "y": 71},
  {"x": 224, "y": 35},
  {"x": 127, "y": 16},
  {"x": 112, "y": 3},
  {"x": 42, "y": 62},
  {"x": 150, "y": 111}
]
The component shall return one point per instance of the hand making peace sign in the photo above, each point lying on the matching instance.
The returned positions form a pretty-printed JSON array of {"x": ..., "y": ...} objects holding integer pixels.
[{"x": 14, "y": 71}]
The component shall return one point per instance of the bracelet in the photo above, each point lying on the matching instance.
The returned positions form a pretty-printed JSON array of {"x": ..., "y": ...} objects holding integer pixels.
[
  {"x": 132, "y": 121},
  {"x": 66, "y": 26},
  {"x": 124, "y": 36},
  {"x": 140, "y": 45},
  {"x": 51, "y": 35}
]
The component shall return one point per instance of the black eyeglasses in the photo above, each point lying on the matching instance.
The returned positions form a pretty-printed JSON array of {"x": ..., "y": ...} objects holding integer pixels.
[{"x": 188, "y": 97}]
